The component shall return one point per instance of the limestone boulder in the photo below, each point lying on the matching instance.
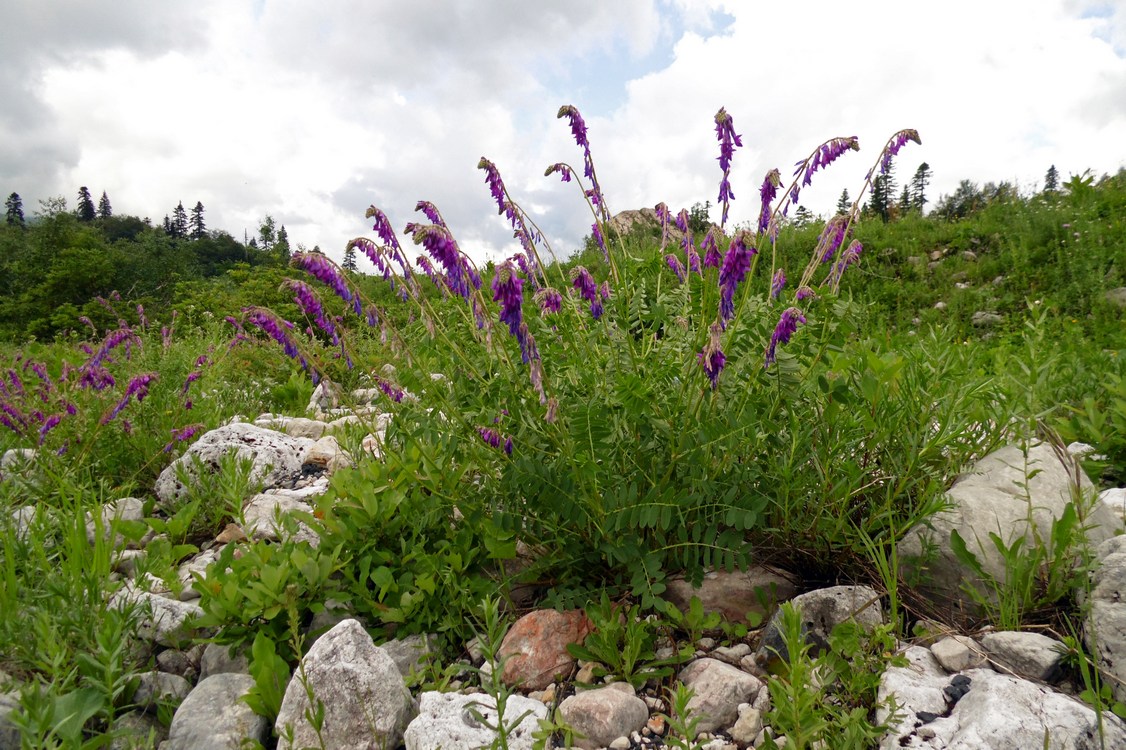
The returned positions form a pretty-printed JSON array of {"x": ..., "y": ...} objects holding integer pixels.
[
  {"x": 213, "y": 716},
  {"x": 451, "y": 721},
  {"x": 736, "y": 595}
]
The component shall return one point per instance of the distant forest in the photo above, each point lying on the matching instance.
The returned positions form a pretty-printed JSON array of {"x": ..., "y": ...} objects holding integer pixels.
[{"x": 61, "y": 268}]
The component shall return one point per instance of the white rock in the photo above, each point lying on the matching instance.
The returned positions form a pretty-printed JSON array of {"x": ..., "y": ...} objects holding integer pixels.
[
  {"x": 123, "y": 509},
  {"x": 262, "y": 517},
  {"x": 366, "y": 702},
  {"x": 600, "y": 716},
  {"x": 1030, "y": 655},
  {"x": 164, "y": 621},
  {"x": 197, "y": 564},
  {"x": 1115, "y": 499},
  {"x": 327, "y": 454},
  {"x": 718, "y": 690},
  {"x": 998, "y": 712},
  {"x": 958, "y": 652},
  {"x": 154, "y": 687},
  {"x": 213, "y": 716},
  {"x": 446, "y": 721},
  {"x": 276, "y": 457},
  {"x": 1104, "y": 630}
]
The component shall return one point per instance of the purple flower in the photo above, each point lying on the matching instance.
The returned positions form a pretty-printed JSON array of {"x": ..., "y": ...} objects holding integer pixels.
[
  {"x": 767, "y": 193},
  {"x": 307, "y": 300},
  {"x": 822, "y": 156},
  {"x": 711, "y": 250},
  {"x": 382, "y": 227},
  {"x": 193, "y": 376},
  {"x": 578, "y": 130},
  {"x": 848, "y": 257},
  {"x": 508, "y": 291},
  {"x": 490, "y": 436},
  {"x": 97, "y": 378},
  {"x": 728, "y": 142},
  {"x": 508, "y": 445},
  {"x": 674, "y": 264},
  {"x": 663, "y": 217},
  {"x": 392, "y": 391},
  {"x": 597, "y": 232},
  {"x": 735, "y": 266},
  {"x": 831, "y": 237},
  {"x": 895, "y": 143},
  {"x": 138, "y": 388},
  {"x": 777, "y": 283},
  {"x": 328, "y": 273},
  {"x": 123, "y": 335},
  {"x": 604, "y": 290},
  {"x": 278, "y": 330},
  {"x": 459, "y": 275},
  {"x": 49, "y": 424},
  {"x": 549, "y": 300},
  {"x": 182, "y": 434},
  {"x": 584, "y": 283},
  {"x": 785, "y": 329},
  {"x": 803, "y": 293},
  {"x": 89, "y": 323},
  {"x": 712, "y": 357},
  {"x": 563, "y": 170}
]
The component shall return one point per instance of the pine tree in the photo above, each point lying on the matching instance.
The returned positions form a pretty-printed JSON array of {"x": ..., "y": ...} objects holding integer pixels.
[
  {"x": 905, "y": 204},
  {"x": 196, "y": 226},
  {"x": 1051, "y": 180},
  {"x": 803, "y": 217},
  {"x": 14, "y": 206},
  {"x": 844, "y": 203},
  {"x": 282, "y": 245},
  {"x": 104, "y": 209},
  {"x": 179, "y": 221},
  {"x": 919, "y": 184},
  {"x": 85, "y": 210},
  {"x": 167, "y": 225},
  {"x": 349, "y": 263}
]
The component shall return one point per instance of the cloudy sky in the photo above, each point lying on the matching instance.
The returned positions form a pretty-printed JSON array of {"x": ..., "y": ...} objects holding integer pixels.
[{"x": 311, "y": 112}]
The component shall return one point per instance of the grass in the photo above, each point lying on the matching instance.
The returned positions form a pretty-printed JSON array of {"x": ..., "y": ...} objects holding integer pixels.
[{"x": 627, "y": 466}]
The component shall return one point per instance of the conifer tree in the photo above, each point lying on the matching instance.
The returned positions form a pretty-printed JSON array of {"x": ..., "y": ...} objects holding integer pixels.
[
  {"x": 349, "y": 263},
  {"x": 267, "y": 233},
  {"x": 104, "y": 209},
  {"x": 282, "y": 245},
  {"x": 1051, "y": 180},
  {"x": 14, "y": 206},
  {"x": 844, "y": 203},
  {"x": 197, "y": 229},
  {"x": 167, "y": 225},
  {"x": 919, "y": 184},
  {"x": 179, "y": 221},
  {"x": 905, "y": 204},
  {"x": 86, "y": 210}
]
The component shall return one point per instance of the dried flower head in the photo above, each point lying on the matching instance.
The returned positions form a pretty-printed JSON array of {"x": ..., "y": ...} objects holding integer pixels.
[{"x": 712, "y": 357}]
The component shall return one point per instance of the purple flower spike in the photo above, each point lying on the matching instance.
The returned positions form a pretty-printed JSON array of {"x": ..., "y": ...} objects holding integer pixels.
[
  {"x": 182, "y": 434},
  {"x": 438, "y": 241},
  {"x": 767, "y": 193},
  {"x": 549, "y": 300},
  {"x": 49, "y": 424},
  {"x": 831, "y": 237},
  {"x": 328, "y": 273},
  {"x": 711, "y": 250},
  {"x": 735, "y": 266},
  {"x": 307, "y": 300},
  {"x": 778, "y": 283},
  {"x": 382, "y": 227},
  {"x": 824, "y": 155},
  {"x": 578, "y": 130},
  {"x": 563, "y": 170},
  {"x": 848, "y": 257},
  {"x": 674, "y": 265},
  {"x": 597, "y": 232},
  {"x": 278, "y": 330},
  {"x": 728, "y": 142},
  {"x": 584, "y": 283},
  {"x": 804, "y": 293},
  {"x": 508, "y": 291},
  {"x": 712, "y": 358},
  {"x": 897, "y": 141},
  {"x": 663, "y": 218},
  {"x": 785, "y": 329},
  {"x": 138, "y": 388}
]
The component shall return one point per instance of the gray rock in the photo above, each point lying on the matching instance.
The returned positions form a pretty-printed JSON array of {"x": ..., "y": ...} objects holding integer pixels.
[
  {"x": 9, "y": 735},
  {"x": 17, "y": 460},
  {"x": 735, "y": 595},
  {"x": 718, "y": 690},
  {"x": 997, "y": 496},
  {"x": 969, "y": 255},
  {"x": 1115, "y": 499},
  {"x": 160, "y": 687},
  {"x": 992, "y": 712},
  {"x": 214, "y": 717},
  {"x": 327, "y": 454},
  {"x": 985, "y": 319},
  {"x": 123, "y": 509},
  {"x": 1029, "y": 655},
  {"x": 821, "y": 611},
  {"x": 182, "y": 663},
  {"x": 1104, "y": 630},
  {"x": 940, "y": 305},
  {"x": 136, "y": 730},
  {"x": 218, "y": 659},
  {"x": 447, "y": 721},
  {"x": 325, "y": 396},
  {"x": 276, "y": 458},
  {"x": 600, "y": 716},
  {"x": 197, "y": 564},
  {"x": 366, "y": 703},
  {"x": 305, "y": 428},
  {"x": 958, "y": 652},
  {"x": 747, "y": 726},
  {"x": 23, "y": 519},
  {"x": 413, "y": 653},
  {"x": 1116, "y": 297},
  {"x": 164, "y": 621},
  {"x": 262, "y": 516}
]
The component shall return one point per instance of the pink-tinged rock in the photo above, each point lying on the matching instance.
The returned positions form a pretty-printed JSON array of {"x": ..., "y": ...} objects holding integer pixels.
[{"x": 535, "y": 649}]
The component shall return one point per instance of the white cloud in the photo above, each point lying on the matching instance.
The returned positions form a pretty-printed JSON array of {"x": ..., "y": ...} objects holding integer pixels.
[{"x": 310, "y": 113}]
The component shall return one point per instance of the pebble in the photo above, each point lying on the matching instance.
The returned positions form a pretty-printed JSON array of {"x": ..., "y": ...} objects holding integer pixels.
[
  {"x": 705, "y": 644},
  {"x": 657, "y": 725},
  {"x": 620, "y": 744}
]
